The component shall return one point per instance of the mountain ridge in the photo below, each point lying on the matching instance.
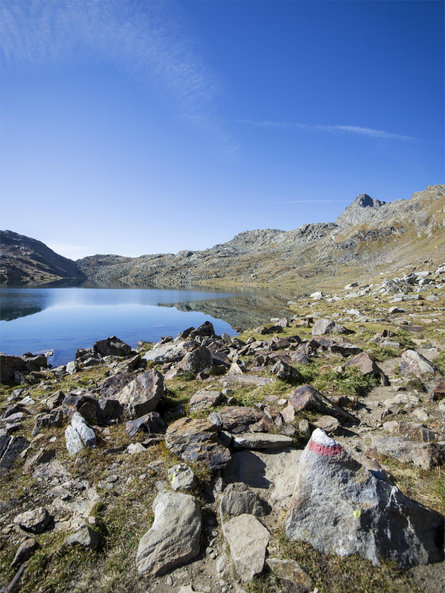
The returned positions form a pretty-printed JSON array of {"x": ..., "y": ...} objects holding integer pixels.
[{"x": 368, "y": 232}]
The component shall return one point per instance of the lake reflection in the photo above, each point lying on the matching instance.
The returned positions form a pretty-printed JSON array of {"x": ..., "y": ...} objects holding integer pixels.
[{"x": 65, "y": 319}]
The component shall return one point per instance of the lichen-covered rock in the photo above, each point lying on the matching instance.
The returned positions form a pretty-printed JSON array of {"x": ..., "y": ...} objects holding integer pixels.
[
  {"x": 292, "y": 578},
  {"x": 174, "y": 536},
  {"x": 340, "y": 507}
]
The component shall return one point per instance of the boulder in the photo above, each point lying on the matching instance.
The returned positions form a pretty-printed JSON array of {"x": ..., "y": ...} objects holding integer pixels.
[
  {"x": 286, "y": 372},
  {"x": 35, "y": 521},
  {"x": 142, "y": 394},
  {"x": 239, "y": 499},
  {"x": 196, "y": 361},
  {"x": 424, "y": 455},
  {"x": 85, "y": 537},
  {"x": 174, "y": 536},
  {"x": 204, "y": 330},
  {"x": 205, "y": 399},
  {"x": 111, "y": 347},
  {"x": 197, "y": 441},
  {"x": 366, "y": 365},
  {"x": 79, "y": 435},
  {"x": 340, "y": 507},
  {"x": 413, "y": 363},
  {"x": 163, "y": 353},
  {"x": 327, "y": 326},
  {"x": 248, "y": 540},
  {"x": 307, "y": 397}
]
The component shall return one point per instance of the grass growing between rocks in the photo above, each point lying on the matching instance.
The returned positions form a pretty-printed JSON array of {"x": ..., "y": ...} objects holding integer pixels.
[{"x": 332, "y": 574}]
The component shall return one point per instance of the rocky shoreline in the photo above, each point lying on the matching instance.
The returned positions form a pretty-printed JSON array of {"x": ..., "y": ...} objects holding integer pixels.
[{"x": 305, "y": 455}]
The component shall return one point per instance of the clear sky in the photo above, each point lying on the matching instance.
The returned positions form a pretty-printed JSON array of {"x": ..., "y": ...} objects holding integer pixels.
[{"x": 138, "y": 126}]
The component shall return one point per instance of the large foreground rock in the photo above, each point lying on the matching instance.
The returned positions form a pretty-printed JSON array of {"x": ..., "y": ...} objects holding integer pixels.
[
  {"x": 174, "y": 536},
  {"x": 141, "y": 395},
  {"x": 247, "y": 540},
  {"x": 341, "y": 507},
  {"x": 111, "y": 347}
]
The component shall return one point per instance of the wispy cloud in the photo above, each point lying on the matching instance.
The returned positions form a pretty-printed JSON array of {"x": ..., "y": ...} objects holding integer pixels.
[
  {"x": 333, "y": 129},
  {"x": 145, "y": 38}
]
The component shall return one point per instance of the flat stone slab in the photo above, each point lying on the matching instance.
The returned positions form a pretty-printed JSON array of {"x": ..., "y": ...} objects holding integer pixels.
[
  {"x": 273, "y": 472},
  {"x": 247, "y": 539}
]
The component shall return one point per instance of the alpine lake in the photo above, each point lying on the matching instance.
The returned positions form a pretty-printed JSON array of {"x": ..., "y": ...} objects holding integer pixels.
[{"x": 62, "y": 319}]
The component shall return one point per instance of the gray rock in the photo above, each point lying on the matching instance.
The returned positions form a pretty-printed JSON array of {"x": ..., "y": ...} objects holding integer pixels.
[
  {"x": 142, "y": 394},
  {"x": 79, "y": 435},
  {"x": 174, "y": 536},
  {"x": 286, "y": 372},
  {"x": 170, "y": 352},
  {"x": 205, "y": 399},
  {"x": 327, "y": 326},
  {"x": 424, "y": 455},
  {"x": 413, "y": 363},
  {"x": 292, "y": 578},
  {"x": 196, "y": 361},
  {"x": 238, "y": 499},
  {"x": 341, "y": 507},
  {"x": 247, "y": 540},
  {"x": 260, "y": 440},
  {"x": 273, "y": 472},
  {"x": 181, "y": 477},
  {"x": 72, "y": 367},
  {"x": 35, "y": 521},
  {"x": 85, "y": 537}
]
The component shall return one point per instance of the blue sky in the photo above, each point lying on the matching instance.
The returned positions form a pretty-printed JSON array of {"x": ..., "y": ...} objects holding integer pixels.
[{"x": 134, "y": 127}]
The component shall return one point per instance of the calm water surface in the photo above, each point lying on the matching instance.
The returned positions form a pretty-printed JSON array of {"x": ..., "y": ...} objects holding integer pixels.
[{"x": 64, "y": 319}]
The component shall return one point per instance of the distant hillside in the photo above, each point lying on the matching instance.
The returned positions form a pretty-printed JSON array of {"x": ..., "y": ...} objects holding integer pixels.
[
  {"x": 26, "y": 261},
  {"x": 368, "y": 234}
]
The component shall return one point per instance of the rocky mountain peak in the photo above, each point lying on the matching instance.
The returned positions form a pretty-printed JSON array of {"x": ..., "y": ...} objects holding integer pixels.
[{"x": 362, "y": 209}]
